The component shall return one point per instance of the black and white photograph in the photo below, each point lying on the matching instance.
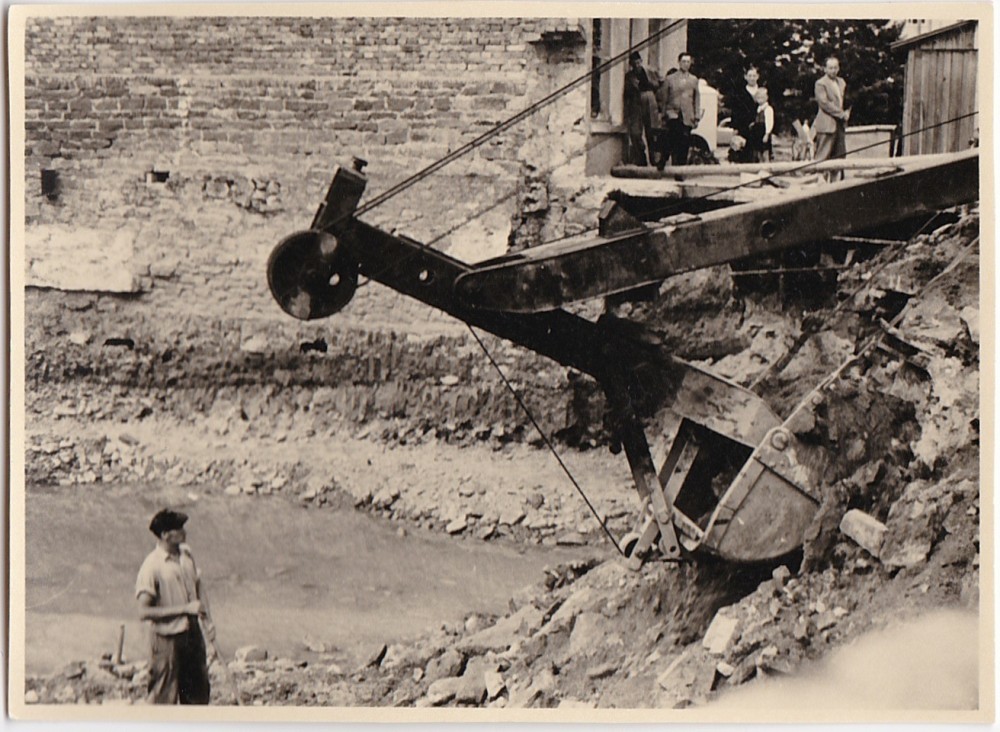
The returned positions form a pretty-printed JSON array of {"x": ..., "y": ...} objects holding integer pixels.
[{"x": 281, "y": 449}]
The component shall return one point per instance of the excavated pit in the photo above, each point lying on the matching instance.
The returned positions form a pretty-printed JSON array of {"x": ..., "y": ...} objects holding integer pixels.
[{"x": 417, "y": 429}]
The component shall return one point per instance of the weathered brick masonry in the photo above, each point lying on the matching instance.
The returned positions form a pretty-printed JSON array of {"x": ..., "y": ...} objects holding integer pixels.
[
  {"x": 248, "y": 117},
  {"x": 256, "y": 112}
]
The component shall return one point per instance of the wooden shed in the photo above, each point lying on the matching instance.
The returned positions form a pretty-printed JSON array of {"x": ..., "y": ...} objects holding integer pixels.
[{"x": 941, "y": 74}]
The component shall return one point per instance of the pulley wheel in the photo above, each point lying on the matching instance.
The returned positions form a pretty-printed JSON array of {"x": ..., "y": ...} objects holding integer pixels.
[{"x": 310, "y": 275}]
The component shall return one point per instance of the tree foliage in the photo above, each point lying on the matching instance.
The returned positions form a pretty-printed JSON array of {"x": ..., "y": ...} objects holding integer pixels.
[{"x": 790, "y": 56}]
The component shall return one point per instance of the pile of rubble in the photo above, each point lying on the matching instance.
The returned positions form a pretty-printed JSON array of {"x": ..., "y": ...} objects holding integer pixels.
[{"x": 100, "y": 681}]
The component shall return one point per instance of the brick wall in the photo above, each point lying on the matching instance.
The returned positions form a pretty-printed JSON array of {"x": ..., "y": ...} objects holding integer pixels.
[{"x": 249, "y": 116}]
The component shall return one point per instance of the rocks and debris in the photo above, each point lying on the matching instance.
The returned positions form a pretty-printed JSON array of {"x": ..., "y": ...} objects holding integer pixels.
[
  {"x": 376, "y": 656},
  {"x": 249, "y": 654}
]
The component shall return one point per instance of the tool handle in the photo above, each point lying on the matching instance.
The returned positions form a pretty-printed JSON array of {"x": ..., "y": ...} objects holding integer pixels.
[{"x": 226, "y": 671}]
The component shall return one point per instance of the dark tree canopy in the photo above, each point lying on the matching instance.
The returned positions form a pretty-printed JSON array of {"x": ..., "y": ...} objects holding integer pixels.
[{"x": 790, "y": 56}]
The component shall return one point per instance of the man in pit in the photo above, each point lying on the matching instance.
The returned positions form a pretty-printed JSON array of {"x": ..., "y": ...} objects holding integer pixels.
[{"x": 172, "y": 603}]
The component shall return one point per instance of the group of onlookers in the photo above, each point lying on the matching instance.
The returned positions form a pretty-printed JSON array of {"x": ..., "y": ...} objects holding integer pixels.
[{"x": 660, "y": 114}]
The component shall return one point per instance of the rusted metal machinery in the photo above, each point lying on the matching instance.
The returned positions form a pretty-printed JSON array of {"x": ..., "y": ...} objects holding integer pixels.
[{"x": 735, "y": 481}]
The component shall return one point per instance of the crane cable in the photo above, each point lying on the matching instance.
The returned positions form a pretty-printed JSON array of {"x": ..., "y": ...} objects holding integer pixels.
[{"x": 545, "y": 439}]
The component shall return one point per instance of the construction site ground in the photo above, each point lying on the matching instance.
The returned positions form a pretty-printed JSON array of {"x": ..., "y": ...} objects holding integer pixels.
[{"x": 390, "y": 561}]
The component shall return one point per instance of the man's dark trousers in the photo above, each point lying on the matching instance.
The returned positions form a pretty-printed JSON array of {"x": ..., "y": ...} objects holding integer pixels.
[{"x": 178, "y": 669}]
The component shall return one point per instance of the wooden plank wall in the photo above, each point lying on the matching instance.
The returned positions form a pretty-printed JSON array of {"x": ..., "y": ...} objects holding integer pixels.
[{"x": 940, "y": 85}]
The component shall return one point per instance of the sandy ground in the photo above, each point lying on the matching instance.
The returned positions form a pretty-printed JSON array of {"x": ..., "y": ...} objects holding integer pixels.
[{"x": 280, "y": 576}]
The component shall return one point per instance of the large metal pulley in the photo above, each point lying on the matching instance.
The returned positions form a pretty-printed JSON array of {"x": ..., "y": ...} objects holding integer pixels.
[{"x": 310, "y": 275}]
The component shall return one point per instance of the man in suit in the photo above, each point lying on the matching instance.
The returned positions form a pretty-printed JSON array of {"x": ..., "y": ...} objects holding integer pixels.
[
  {"x": 641, "y": 114},
  {"x": 680, "y": 106},
  {"x": 831, "y": 119}
]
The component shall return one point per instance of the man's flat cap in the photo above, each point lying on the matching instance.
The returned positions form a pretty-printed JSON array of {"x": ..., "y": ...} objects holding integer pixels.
[
  {"x": 634, "y": 56},
  {"x": 167, "y": 520}
]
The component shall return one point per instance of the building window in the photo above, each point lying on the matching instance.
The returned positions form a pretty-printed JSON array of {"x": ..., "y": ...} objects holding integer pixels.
[{"x": 600, "y": 86}]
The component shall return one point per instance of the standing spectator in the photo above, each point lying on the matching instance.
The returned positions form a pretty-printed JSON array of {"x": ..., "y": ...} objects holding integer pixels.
[
  {"x": 171, "y": 600},
  {"x": 744, "y": 111},
  {"x": 641, "y": 113},
  {"x": 761, "y": 129},
  {"x": 680, "y": 107},
  {"x": 831, "y": 119}
]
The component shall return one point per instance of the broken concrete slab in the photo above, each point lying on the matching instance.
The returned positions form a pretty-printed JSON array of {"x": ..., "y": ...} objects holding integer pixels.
[
  {"x": 502, "y": 634},
  {"x": 866, "y": 531},
  {"x": 915, "y": 522},
  {"x": 523, "y": 697},
  {"x": 495, "y": 684},
  {"x": 443, "y": 690},
  {"x": 511, "y": 515},
  {"x": 447, "y": 664},
  {"x": 456, "y": 526},
  {"x": 472, "y": 687},
  {"x": 576, "y": 603},
  {"x": 720, "y": 633}
]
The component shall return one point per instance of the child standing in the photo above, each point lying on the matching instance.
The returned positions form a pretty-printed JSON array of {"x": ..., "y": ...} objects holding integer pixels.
[{"x": 763, "y": 126}]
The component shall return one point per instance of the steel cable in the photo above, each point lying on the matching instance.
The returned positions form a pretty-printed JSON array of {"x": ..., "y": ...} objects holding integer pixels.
[{"x": 545, "y": 438}]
